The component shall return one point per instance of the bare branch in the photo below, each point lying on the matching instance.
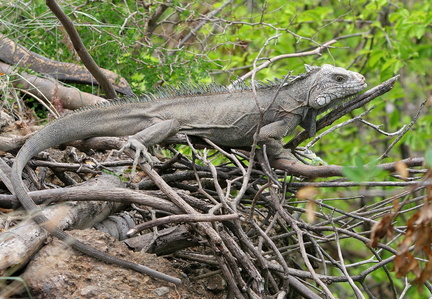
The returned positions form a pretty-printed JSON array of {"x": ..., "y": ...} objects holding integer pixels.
[
  {"x": 181, "y": 218},
  {"x": 81, "y": 49},
  {"x": 316, "y": 51},
  {"x": 405, "y": 129},
  {"x": 50, "y": 91},
  {"x": 377, "y": 128},
  {"x": 209, "y": 16}
]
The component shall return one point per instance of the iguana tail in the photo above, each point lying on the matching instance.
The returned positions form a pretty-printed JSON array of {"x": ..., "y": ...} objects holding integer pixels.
[{"x": 51, "y": 135}]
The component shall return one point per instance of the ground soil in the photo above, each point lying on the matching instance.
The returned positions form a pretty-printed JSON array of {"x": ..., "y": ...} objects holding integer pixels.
[{"x": 58, "y": 271}]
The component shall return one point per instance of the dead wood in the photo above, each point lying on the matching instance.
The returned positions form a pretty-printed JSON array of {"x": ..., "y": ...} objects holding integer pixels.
[
  {"x": 19, "y": 243},
  {"x": 5, "y": 174},
  {"x": 16, "y": 55},
  {"x": 181, "y": 218},
  {"x": 92, "y": 193},
  {"x": 13, "y": 143},
  {"x": 47, "y": 89},
  {"x": 297, "y": 168}
]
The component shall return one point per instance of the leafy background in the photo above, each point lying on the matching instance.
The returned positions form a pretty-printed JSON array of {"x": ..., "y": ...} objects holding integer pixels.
[{"x": 376, "y": 38}]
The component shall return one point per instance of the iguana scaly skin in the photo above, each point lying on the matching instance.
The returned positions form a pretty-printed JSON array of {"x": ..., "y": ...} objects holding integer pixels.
[{"x": 228, "y": 117}]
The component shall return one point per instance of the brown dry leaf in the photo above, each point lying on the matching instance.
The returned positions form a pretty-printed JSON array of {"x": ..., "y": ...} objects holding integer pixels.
[
  {"x": 402, "y": 169},
  {"x": 405, "y": 263},
  {"x": 423, "y": 240},
  {"x": 426, "y": 274},
  {"x": 419, "y": 233},
  {"x": 381, "y": 229},
  {"x": 425, "y": 217},
  {"x": 310, "y": 211},
  {"x": 396, "y": 204},
  {"x": 410, "y": 234},
  {"x": 308, "y": 192}
]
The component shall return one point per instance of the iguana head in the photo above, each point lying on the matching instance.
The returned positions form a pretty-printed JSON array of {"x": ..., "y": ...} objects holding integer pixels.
[{"x": 332, "y": 84}]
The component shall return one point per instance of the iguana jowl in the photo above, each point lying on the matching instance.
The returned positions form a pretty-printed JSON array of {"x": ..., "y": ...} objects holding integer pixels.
[{"x": 226, "y": 117}]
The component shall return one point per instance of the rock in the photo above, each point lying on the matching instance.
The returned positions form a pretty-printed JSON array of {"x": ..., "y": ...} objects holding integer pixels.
[{"x": 162, "y": 291}]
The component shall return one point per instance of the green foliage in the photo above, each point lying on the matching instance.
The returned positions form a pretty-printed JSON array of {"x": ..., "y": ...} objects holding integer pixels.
[
  {"x": 361, "y": 171},
  {"x": 428, "y": 157},
  {"x": 114, "y": 44}
]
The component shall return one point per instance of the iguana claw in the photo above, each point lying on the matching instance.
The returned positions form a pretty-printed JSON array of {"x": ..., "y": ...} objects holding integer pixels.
[
  {"x": 140, "y": 151},
  {"x": 310, "y": 155}
]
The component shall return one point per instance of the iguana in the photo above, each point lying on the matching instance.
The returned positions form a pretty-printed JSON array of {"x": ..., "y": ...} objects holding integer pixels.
[{"x": 227, "y": 116}]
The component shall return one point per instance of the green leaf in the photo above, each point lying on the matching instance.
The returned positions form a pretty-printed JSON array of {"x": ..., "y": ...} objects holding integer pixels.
[
  {"x": 362, "y": 171},
  {"x": 353, "y": 173},
  {"x": 138, "y": 77},
  {"x": 428, "y": 157},
  {"x": 419, "y": 31},
  {"x": 375, "y": 57},
  {"x": 400, "y": 14}
]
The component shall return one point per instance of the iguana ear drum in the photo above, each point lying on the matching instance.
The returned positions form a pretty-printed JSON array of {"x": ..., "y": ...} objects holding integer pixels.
[{"x": 322, "y": 101}]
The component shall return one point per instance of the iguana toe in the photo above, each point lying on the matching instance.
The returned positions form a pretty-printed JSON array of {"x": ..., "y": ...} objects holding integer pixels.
[{"x": 140, "y": 151}]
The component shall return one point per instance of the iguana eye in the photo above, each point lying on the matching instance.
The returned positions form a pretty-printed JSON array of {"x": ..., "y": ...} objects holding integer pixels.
[{"x": 339, "y": 78}]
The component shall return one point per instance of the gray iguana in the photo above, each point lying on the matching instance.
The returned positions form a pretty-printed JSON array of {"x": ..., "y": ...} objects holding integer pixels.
[{"x": 227, "y": 116}]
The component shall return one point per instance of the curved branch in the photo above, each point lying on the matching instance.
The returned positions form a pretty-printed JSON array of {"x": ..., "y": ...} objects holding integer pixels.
[
  {"x": 179, "y": 219},
  {"x": 316, "y": 51},
  {"x": 81, "y": 49},
  {"x": 296, "y": 168}
]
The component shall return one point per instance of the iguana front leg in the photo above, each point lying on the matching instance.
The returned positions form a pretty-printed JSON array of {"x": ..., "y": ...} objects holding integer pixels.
[
  {"x": 281, "y": 158},
  {"x": 271, "y": 135},
  {"x": 150, "y": 136}
]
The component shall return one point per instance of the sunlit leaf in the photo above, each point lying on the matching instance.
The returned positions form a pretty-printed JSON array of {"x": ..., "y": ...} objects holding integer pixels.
[{"x": 402, "y": 169}]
